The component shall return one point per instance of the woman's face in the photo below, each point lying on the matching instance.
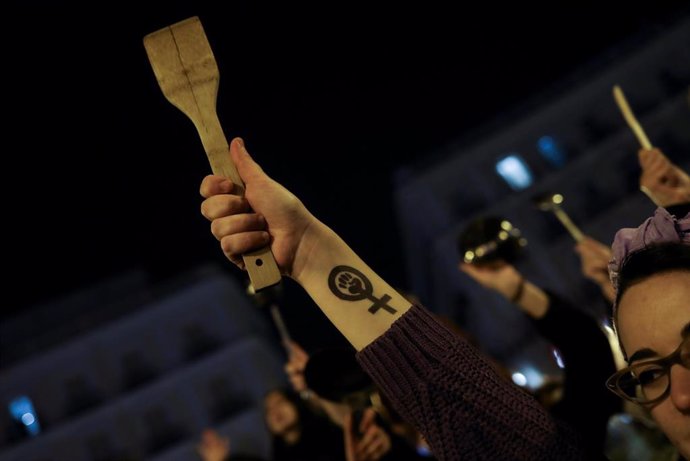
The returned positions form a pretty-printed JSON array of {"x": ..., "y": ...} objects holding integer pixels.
[
  {"x": 652, "y": 314},
  {"x": 280, "y": 413}
]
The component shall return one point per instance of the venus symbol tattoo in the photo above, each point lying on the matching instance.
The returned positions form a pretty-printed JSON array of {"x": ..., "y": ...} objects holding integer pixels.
[{"x": 351, "y": 285}]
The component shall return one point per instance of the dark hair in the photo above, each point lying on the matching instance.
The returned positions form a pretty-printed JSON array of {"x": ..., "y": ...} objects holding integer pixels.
[
  {"x": 318, "y": 435},
  {"x": 656, "y": 259}
]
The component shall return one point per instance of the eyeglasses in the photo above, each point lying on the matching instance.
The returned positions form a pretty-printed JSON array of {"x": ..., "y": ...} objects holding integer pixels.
[{"x": 648, "y": 382}]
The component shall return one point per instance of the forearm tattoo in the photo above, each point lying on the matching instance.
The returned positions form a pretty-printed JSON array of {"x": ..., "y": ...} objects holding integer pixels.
[{"x": 351, "y": 285}]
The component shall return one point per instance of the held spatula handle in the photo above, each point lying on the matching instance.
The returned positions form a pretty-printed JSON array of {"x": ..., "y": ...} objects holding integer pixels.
[
  {"x": 630, "y": 118},
  {"x": 187, "y": 73},
  {"x": 570, "y": 226},
  {"x": 636, "y": 128}
]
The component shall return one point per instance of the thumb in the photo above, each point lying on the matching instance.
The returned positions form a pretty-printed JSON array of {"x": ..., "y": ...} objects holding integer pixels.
[{"x": 248, "y": 169}]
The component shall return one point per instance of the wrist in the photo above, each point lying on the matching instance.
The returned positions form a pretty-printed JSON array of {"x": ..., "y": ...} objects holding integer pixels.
[{"x": 318, "y": 245}]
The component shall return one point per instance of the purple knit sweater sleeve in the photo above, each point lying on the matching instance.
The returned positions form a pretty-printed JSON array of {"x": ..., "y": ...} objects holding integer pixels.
[{"x": 452, "y": 395}]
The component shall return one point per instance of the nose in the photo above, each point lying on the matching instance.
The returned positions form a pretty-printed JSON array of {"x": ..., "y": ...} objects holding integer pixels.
[{"x": 680, "y": 388}]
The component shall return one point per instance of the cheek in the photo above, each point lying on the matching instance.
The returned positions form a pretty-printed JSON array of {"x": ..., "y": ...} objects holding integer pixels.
[{"x": 663, "y": 414}]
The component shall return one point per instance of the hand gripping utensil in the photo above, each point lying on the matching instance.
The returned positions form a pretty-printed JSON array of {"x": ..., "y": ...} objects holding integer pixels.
[{"x": 187, "y": 73}]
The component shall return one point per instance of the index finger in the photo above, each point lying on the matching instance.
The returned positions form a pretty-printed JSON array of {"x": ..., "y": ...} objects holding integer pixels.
[{"x": 214, "y": 185}]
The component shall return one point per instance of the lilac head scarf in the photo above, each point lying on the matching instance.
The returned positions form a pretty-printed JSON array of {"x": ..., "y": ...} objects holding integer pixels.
[{"x": 660, "y": 228}]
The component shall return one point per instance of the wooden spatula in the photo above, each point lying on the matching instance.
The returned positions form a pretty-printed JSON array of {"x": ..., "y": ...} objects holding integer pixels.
[
  {"x": 188, "y": 75},
  {"x": 630, "y": 118},
  {"x": 636, "y": 128}
]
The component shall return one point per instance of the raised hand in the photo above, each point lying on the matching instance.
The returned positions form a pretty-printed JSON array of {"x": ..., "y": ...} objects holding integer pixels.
[
  {"x": 268, "y": 213},
  {"x": 304, "y": 248},
  {"x": 297, "y": 362},
  {"x": 373, "y": 443},
  {"x": 508, "y": 282},
  {"x": 212, "y": 446},
  {"x": 661, "y": 180},
  {"x": 594, "y": 259},
  {"x": 504, "y": 279}
]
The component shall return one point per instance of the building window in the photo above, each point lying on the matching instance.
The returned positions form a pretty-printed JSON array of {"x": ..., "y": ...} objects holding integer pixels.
[{"x": 513, "y": 169}]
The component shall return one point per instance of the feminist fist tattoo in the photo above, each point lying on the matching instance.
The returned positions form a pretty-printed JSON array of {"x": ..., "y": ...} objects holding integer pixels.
[
  {"x": 351, "y": 285},
  {"x": 347, "y": 282}
]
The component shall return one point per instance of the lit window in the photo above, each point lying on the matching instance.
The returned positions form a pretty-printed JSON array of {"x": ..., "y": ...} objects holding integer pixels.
[
  {"x": 23, "y": 411},
  {"x": 519, "y": 379},
  {"x": 551, "y": 150},
  {"x": 527, "y": 376},
  {"x": 513, "y": 169}
]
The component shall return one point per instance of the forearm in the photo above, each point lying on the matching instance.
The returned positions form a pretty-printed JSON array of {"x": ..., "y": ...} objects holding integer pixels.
[
  {"x": 428, "y": 371},
  {"x": 360, "y": 304},
  {"x": 448, "y": 391},
  {"x": 533, "y": 301},
  {"x": 510, "y": 284}
]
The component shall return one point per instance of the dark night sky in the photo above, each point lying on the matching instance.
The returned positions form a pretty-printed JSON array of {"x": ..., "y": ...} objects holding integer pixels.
[{"x": 102, "y": 173}]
